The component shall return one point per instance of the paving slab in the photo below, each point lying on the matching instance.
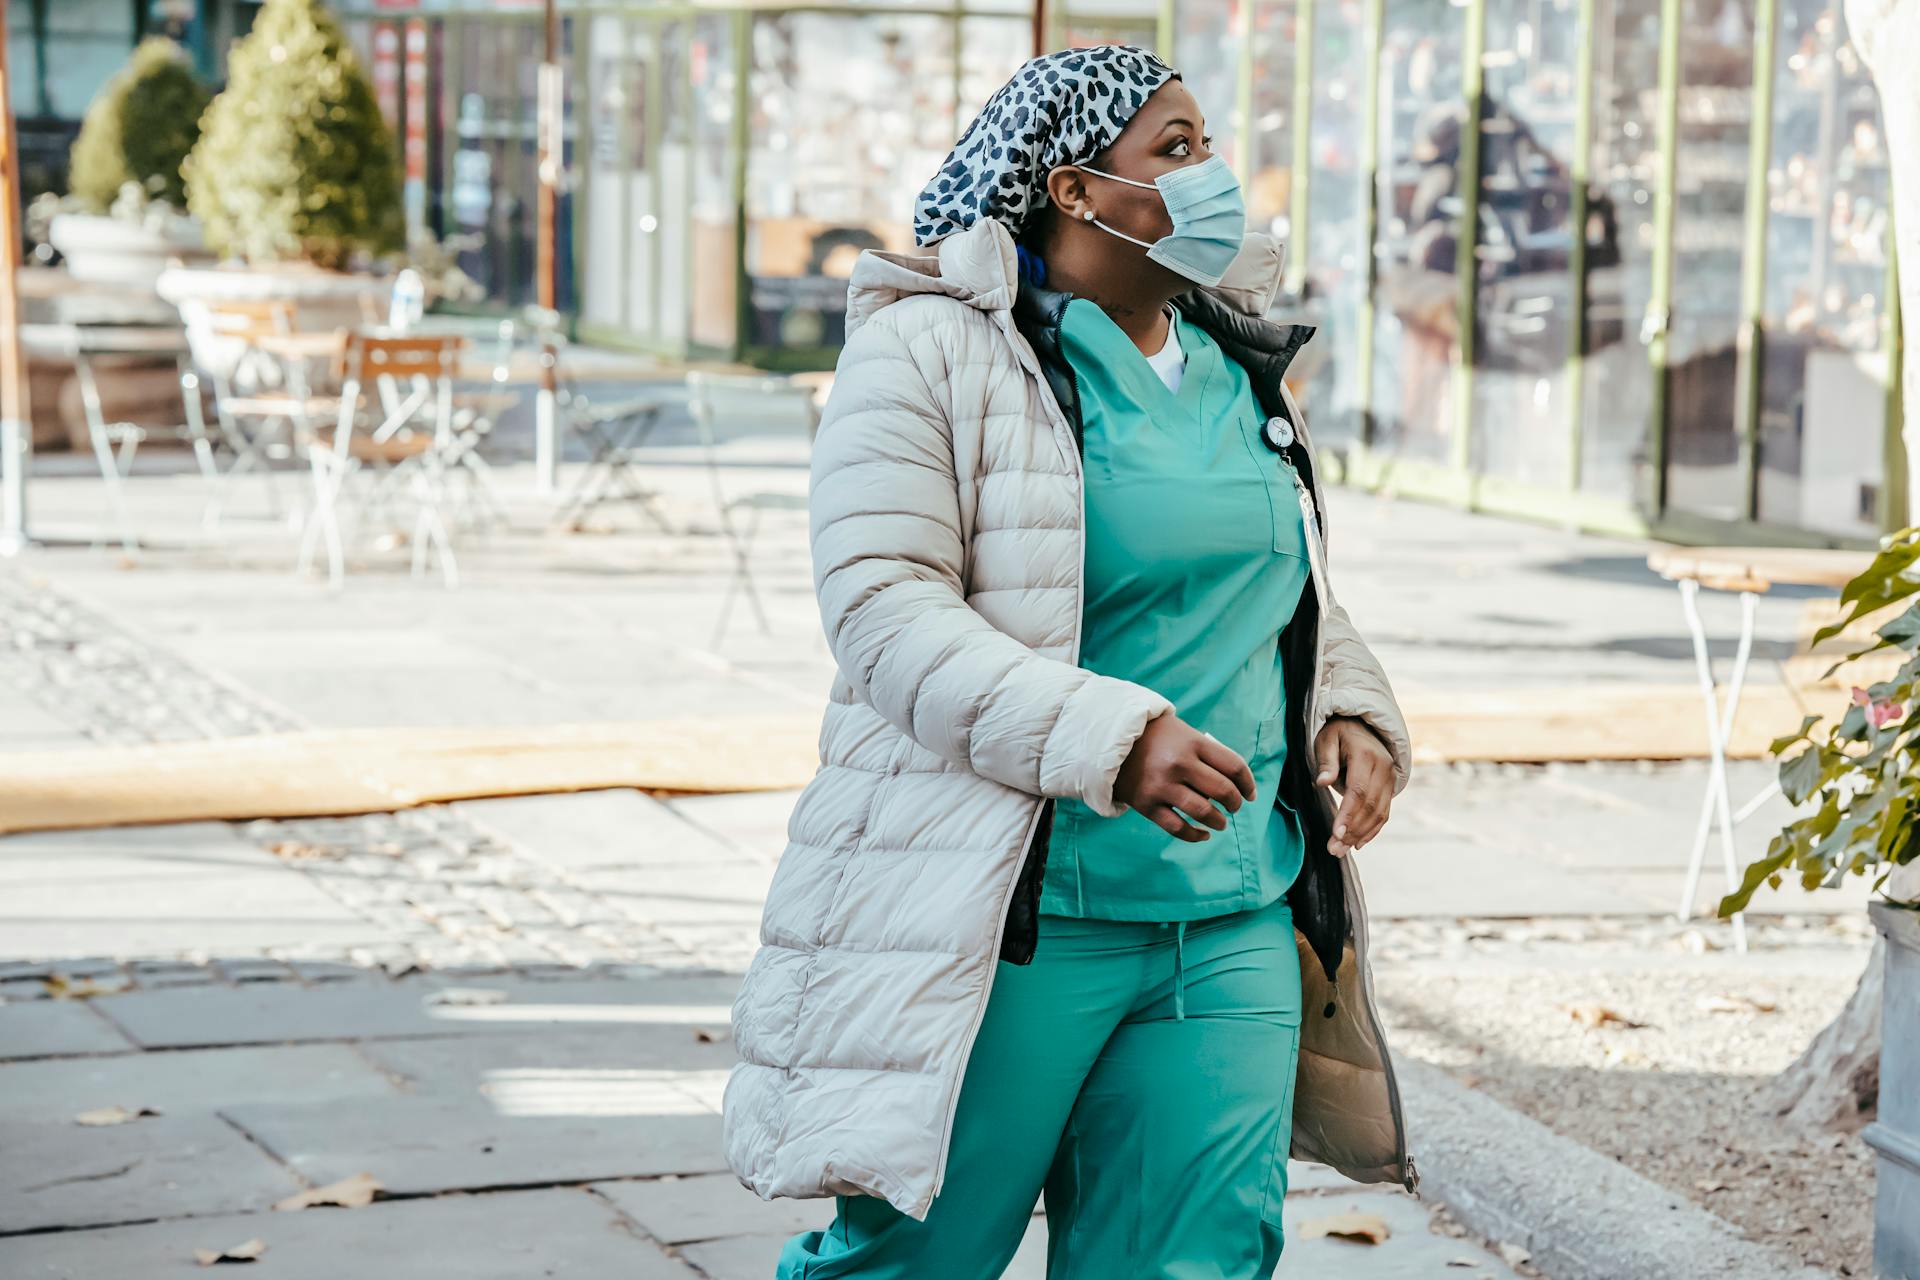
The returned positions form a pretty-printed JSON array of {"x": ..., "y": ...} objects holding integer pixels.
[
  {"x": 61, "y": 1174},
  {"x": 562, "y": 1233},
  {"x": 755, "y": 821},
  {"x": 680, "y": 1211},
  {"x": 1412, "y": 1251},
  {"x": 424, "y": 1145},
  {"x": 200, "y": 1080},
  {"x": 753, "y": 1257},
  {"x": 55, "y": 1028},
  {"x": 620, "y": 828},
  {"x": 471, "y": 1064}
]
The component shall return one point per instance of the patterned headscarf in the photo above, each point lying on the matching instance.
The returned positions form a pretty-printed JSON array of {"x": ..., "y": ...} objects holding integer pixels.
[{"x": 1061, "y": 108}]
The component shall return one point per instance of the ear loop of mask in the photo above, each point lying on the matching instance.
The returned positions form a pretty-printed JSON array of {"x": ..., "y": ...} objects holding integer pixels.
[{"x": 1134, "y": 182}]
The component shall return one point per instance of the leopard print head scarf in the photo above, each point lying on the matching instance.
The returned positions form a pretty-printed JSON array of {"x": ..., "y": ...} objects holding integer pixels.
[{"x": 1061, "y": 108}]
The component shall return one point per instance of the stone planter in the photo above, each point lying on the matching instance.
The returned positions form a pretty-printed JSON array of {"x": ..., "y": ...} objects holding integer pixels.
[
  {"x": 1895, "y": 1136},
  {"x": 115, "y": 251},
  {"x": 320, "y": 299}
]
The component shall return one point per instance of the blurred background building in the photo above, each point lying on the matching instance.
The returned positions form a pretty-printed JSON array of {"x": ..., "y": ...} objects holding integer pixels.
[{"x": 1673, "y": 313}]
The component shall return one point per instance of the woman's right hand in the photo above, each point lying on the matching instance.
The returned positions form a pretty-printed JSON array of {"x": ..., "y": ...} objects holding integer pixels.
[{"x": 1174, "y": 770}]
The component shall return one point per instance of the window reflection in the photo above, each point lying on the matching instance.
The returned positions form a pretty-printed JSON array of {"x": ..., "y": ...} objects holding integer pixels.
[
  {"x": 1524, "y": 314},
  {"x": 1710, "y": 184},
  {"x": 1823, "y": 399},
  {"x": 1625, "y": 168},
  {"x": 1416, "y": 336},
  {"x": 1336, "y": 241}
]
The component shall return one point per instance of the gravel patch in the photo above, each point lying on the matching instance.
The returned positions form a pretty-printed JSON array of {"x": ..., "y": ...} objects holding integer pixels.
[{"x": 1655, "y": 1061}]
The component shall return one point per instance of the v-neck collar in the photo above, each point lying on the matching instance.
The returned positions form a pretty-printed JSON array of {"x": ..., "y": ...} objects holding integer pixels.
[{"x": 1086, "y": 324}]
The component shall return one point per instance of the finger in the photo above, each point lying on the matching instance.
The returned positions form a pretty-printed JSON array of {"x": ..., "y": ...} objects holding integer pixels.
[
  {"x": 1329, "y": 758},
  {"x": 1215, "y": 786},
  {"x": 1374, "y": 793},
  {"x": 1229, "y": 763},
  {"x": 1198, "y": 808},
  {"x": 1170, "y": 821}
]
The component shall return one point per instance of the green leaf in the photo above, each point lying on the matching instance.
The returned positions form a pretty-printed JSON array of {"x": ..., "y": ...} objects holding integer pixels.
[
  {"x": 1780, "y": 745},
  {"x": 1903, "y": 630},
  {"x": 1759, "y": 872},
  {"x": 1801, "y": 775}
]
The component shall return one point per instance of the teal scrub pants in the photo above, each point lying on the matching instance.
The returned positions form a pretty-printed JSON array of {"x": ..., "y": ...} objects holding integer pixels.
[{"x": 1141, "y": 1076}]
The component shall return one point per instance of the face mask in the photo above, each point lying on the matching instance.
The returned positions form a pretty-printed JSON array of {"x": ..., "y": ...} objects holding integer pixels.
[{"x": 1209, "y": 219}]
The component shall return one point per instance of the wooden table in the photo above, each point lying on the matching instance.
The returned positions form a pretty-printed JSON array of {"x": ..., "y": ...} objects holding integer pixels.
[{"x": 1751, "y": 571}]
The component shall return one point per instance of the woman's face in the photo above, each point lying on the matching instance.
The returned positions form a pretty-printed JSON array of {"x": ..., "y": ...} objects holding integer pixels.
[{"x": 1167, "y": 133}]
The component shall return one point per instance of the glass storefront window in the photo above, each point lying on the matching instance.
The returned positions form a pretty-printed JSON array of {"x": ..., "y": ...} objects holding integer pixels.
[
  {"x": 711, "y": 68},
  {"x": 1416, "y": 331},
  {"x": 1206, "y": 49},
  {"x": 1269, "y": 164},
  {"x": 615, "y": 149},
  {"x": 1625, "y": 168},
  {"x": 1823, "y": 397},
  {"x": 1523, "y": 311},
  {"x": 837, "y": 159},
  {"x": 1715, "y": 127},
  {"x": 1336, "y": 241}
]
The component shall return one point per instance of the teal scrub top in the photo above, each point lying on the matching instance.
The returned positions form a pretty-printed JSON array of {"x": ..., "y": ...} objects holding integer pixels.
[{"x": 1196, "y": 558}]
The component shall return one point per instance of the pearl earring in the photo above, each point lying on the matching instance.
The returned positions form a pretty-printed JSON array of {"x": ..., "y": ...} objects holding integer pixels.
[{"x": 1088, "y": 215}]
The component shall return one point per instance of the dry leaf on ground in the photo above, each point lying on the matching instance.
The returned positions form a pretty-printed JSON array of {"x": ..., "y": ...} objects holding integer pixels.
[
  {"x": 1514, "y": 1254},
  {"x": 1735, "y": 1004},
  {"x": 61, "y": 987},
  {"x": 713, "y": 1035},
  {"x": 1367, "y": 1228},
  {"x": 248, "y": 1252},
  {"x": 1593, "y": 1016},
  {"x": 468, "y": 996},
  {"x": 348, "y": 1193},
  {"x": 112, "y": 1115}
]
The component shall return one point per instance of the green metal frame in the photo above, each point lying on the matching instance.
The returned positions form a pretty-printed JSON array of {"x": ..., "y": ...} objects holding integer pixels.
[
  {"x": 1578, "y": 212},
  {"x": 1466, "y": 262}
]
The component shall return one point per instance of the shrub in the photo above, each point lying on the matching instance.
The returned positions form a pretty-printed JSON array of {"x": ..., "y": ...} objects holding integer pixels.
[
  {"x": 295, "y": 160},
  {"x": 139, "y": 128}
]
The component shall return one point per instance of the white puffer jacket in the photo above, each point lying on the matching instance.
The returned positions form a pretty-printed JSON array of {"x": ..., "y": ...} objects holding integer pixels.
[{"x": 947, "y": 541}]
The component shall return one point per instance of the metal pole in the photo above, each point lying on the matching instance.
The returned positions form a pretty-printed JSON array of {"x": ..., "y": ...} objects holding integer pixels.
[
  {"x": 16, "y": 416},
  {"x": 1581, "y": 210},
  {"x": 1300, "y": 193},
  {"x": 1656, "y": 329},
  {"x": 550, "y": 111},
  {"x": 1039, "y": 27},
  {"x": 1467, "y": 252}
]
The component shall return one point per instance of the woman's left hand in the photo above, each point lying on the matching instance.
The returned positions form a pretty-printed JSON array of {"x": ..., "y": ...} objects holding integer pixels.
[{"x": 1355, "y": 761}]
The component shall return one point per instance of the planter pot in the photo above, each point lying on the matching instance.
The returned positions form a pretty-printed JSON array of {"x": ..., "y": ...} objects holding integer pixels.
[
  {"x": 112, "y": 251},
  {"x": 1895, "y": 1136},
  {"x": 320, "y": 300}
]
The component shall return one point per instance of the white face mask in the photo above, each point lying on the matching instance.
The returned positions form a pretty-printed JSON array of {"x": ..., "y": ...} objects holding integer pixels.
[{"x": 1209, "y": 219}]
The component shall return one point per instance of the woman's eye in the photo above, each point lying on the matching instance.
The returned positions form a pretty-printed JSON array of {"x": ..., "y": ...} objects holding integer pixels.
[
  {"x": 1207, "y": 143},
  {"x": 1181, "y": 148}
]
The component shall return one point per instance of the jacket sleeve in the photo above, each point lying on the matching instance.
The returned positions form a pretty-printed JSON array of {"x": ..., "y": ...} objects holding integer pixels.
[
  {"x": 885, "y": 522},
  {"x": 1352, "y": 683}
]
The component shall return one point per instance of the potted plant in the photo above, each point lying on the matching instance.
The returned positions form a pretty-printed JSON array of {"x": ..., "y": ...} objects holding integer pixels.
[
  {"x": 295, "y": 178},
  {"x": 1861, "y": 783},
  {"x": 125, "y": 214}
]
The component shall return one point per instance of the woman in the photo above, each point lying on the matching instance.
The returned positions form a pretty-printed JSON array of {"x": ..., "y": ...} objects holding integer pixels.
[{"x": 1035, "y": 927}]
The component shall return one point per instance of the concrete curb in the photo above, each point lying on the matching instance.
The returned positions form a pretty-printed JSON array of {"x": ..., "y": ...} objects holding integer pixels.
[{"x": 1581, "y": 1215}]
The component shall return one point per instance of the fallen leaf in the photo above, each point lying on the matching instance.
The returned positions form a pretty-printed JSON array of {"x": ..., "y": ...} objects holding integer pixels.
[
  {"x": 112, "y": 1115},
  {"x": 707, "y": 1035},
  {"x": 61, "y": 987},
  {"x": 1593, "y": 1016},
  {"x": 349, "y": 1193},
  {"x": 1735, "y": 1004},
  {"x": 248, "y": 1252},
  {"x": 1367, "y": 1228},
  {"x": 468, "y": 996},
  {"x": 1514, "y": 1254}
]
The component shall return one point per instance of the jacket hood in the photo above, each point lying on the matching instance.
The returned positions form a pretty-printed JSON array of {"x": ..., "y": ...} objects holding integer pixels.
[{"x": 978, "y": 267}]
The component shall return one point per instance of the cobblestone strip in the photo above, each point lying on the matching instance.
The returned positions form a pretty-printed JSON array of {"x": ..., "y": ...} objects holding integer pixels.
[{"x": 447, "y": 894}]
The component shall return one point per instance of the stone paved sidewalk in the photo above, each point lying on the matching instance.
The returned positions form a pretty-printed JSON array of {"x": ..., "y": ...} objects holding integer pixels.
[{"x": 512, "y": 1014}]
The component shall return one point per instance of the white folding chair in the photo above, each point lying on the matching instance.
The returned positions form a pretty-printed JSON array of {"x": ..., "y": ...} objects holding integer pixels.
[{"x": 732, "y": 406}]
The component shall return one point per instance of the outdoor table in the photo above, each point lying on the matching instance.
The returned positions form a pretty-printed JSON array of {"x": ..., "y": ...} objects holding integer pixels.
[
  {"x": 80, "y": 344},
  {"x": 1751, "y": 571}
]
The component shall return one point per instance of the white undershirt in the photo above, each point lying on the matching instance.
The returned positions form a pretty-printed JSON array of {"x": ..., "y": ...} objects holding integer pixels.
[{"x": 1170, "y": 362}]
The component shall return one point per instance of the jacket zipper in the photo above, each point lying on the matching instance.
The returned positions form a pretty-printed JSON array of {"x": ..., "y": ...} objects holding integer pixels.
[
  {"x": 1316, "y": 566},
  {"x": 1033, "y": 823}
]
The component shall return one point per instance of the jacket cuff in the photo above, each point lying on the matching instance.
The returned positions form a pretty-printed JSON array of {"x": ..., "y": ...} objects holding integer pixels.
[
  {"x": 1091, "y": 740},
  {"x": 1388, "y": 725}
]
